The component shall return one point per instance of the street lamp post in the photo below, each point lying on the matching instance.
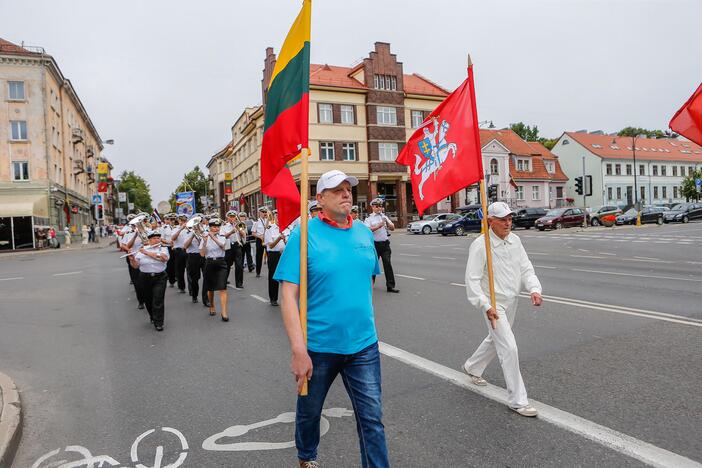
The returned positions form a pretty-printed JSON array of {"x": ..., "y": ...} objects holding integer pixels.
[{"x": 636, "y": 188}]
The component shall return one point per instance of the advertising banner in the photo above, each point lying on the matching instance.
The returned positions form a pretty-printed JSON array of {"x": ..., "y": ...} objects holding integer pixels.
[
  {"x": 228, "y": 183},
  {"x": 102, "y": 169},
  {"x": 122, "y": 197},
  {"x": 185, "y": 203}
]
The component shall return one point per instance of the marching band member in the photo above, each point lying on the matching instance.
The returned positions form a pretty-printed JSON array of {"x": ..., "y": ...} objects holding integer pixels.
[
  {"x": 204, "y": 227},
  {"x": 354, "y": 212},
  {"x": 228, "y": 230},
  {"x": 179, "y": 252},
  {"x": 275, "y": 244},
  {"x": 212, "y": 248},
  {"x": 166, "y": 234},
  {"x": 151, "y": 262},
  {"x": 193, "y": 265},
  {"x": 314, "y": 209},
  {"x": 244, "y": 218},
  {"x": 259, "y": 229},
  {"x": 380, "y": 224},
  {"x": 238, "y": 238},
  {"x": 132, "y": 242}
]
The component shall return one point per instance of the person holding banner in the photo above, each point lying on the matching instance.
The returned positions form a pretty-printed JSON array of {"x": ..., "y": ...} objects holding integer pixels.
[
  {"x": 512, "y": 272},
  {"x": 341, "y": 334}
]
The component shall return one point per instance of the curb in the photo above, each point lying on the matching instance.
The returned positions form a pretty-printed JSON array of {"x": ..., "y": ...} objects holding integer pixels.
[
  {"x": 10, "y": 421},
  {"x": 17, "y": 253}
]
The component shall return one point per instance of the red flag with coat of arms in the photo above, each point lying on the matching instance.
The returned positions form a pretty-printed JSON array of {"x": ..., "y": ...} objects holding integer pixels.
[
  {"x": 444, "y": 152},
  {"x": 688, "y": 120}
]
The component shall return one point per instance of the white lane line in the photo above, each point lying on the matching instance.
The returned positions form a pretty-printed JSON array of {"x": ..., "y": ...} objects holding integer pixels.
[
  {"x": 409, "y": 255},
  {"x": 585, "y": 256},
  {"x": 407, "y": 244},
  {"x": 546, "y": 267},
  {"x": 459, "y": 248},
  {"x": 637, "y": 276},
  {"x": 12, "y": 279},
  {"x": 694, "y": 263},
  {"x": 605, "y": 253},
  {"x": 538, "y": 253},
  {"x": 684, "y": 243},
  {"x": 410, "y": 277},
  {"x": 614, "y": 440},
  {"x": 445, "y": 258},
  {"x": 259, "y": 298},
  {"x": 644, "y": 260},
  {"x": 647, "y": 258},
  {"x": 68, "y": 273},
  {"x": 458, "y": 284},
  {"x": 623, "y": 310}
]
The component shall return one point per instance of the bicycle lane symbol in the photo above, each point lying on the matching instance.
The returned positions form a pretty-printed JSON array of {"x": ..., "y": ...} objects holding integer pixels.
[{"x": 158, "y": 456}]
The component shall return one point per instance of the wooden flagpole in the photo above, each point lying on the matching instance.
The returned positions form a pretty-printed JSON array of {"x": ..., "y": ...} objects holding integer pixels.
[
  {"x": 304, "y": 195},
  {"x": 483, "y": 196}
]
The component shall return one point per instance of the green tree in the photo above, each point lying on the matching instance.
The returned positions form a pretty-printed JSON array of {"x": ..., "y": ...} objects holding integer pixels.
[
  {"x": 196, "y": 181},
  {"x": 633, "y": 131},
  {"x": 137, "y": 190},
  {"x": 526, "y": 132},
  {"x": 688, "y": 187}
]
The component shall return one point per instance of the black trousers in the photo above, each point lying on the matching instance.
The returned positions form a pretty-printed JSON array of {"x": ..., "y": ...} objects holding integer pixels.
[
  {"x": 194, "y": 269},
  {"x": 154, "y": 287},
  {"x": 238, "y": 259},
  {"x": 181, "y": 259},
  {"x": 273, "y": 258},
  {"x": 203, "y": 269},
  {"x": 134, "y": 276},
  {"x": 383, "y": 251},
  {"x": 170, "y": 267},
  {"x": 229, "y": 258},
  {"x": 249, "y": 258},
  {"x": 259, "y": 255}
]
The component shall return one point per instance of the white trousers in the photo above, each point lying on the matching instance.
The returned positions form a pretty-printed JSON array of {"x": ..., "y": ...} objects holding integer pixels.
[{"x": 500, "y": 342}]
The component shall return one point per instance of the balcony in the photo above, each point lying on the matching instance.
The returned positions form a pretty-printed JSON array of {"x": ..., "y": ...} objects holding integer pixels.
[
  {"x": 76, "y": 135},
  {"x": 78, "y": 167},
  {"x": 90, "y": 151}
]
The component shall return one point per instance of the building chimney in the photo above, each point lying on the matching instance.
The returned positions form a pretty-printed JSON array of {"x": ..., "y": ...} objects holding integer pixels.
[{"x": 268, "y": 66}]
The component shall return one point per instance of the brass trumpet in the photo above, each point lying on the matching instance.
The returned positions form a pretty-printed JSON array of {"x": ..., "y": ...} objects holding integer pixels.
[
  {"x": 139, "y": 223},
  {"x": 194, "y": 226}
]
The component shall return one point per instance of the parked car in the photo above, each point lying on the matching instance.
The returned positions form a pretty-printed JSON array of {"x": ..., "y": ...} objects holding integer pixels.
[
  {"x": 453, "y": 217},
  {"x": 561, "y": 217},
  {"x": 429, "y": 224},
  {"x": 595, "y": 214},
  {"x": 650, "y": 214},
  {"x": 526, "y": 217},
  {"x": 683, "y": 213},
  {"x": 466, "y": 223}
]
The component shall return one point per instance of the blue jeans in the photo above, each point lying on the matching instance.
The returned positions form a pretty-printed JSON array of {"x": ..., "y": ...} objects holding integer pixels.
[{"x": 361, "y": 375}]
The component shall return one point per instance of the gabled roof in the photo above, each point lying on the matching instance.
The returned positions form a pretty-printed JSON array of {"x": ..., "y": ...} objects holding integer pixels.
[
  {"x": 616, "y": 147},
  {"x": 335, "y": 76},
  {"x": 508, "y": 139}
]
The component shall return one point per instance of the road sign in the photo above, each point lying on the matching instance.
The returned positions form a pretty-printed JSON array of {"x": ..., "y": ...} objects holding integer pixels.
[
  {"x": 97, "y": 199},
  {"x": 130, "y": 206},
  {"x": 122, "y": 197},
  {"x": 698, "y": 183}
]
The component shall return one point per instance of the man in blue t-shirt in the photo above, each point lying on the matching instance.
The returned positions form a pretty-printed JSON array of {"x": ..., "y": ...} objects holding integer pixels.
[{"x": 341, "y": 336}]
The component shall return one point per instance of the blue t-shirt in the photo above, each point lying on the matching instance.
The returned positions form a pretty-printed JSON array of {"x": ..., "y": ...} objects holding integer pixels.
[{"x": 340, "y": 264}]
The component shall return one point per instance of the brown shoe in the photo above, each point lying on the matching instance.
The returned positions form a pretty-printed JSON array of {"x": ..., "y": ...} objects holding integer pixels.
[{"x": 309, "y": 464}]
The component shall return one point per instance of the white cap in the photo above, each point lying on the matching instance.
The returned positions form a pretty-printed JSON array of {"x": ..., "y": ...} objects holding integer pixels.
[
  {"x": 334, "y": 178},
  {"x": 499, "y": 210}
]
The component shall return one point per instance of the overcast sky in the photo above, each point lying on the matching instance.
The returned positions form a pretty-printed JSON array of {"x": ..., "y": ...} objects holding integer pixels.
[{"x": 166, "y": 78}]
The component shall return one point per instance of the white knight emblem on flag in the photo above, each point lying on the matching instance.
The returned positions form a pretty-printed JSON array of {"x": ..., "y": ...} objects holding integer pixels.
[{"x": 434, "y": 153}]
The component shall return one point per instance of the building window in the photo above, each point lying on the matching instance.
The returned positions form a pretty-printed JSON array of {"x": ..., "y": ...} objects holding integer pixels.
[
  {"x": 535, "y": 193},
  {"x": 664, "y": 192},
  {"x": 18, "y": 129},
  {"x": 387, "y": 151},
  {"x": 559, "y": 192},
  {"x": 347, "y": 115},
  {"x": 349, "y": 151},
  {"x": 619, "y": 193},
  {"x": 387, "y": 115},
  {"x": 608, "y": 169},
  {"x": 16, "y": 90},
  {"x": 325, "y": 114},
  {"x": 386, "y": 82},
  {"x": 326, "y": 151},
  {"x": 494, "y": 168},
  {"x": 523, "y": 165},
  {"x": 675, "y": 171},
  {"x": 663, "y": 172},
  {"x": 675, "y": 192},
  {"x": 417, "y": 118},
  {"x": 643, "y": 193},
  {"x": 628, "y": 169},
  {"x": 550, "y": 168},
  {"x": 690, "y": 170},
  {"x": 682, "y": 171},
  {"x": 20, "y": 170},
  {"x": 520, "y": 192},
  {"x": 618, "y": 169},
  {"x": 655, "y": 171},
  {"x": 642, "y": 169},
  {"x": 609, "y": 193},
  {"x": 655, "y": 193}
]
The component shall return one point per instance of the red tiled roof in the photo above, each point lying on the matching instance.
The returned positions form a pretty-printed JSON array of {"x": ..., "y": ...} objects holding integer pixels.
[
  {"x": 616, "y": 147},
  {"x": 508, "y": 139},
  {"x": 7, "y": 47},
  {"x": 332, "y": 75},
  {"x": 534, "y": 150}
]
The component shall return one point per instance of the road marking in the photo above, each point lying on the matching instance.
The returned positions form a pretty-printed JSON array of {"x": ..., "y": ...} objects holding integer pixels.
[
  {"x": 583, "y": 250},
  {"x": 647, "y": 258},
  {"x": 614, "y": 440},
  {"x": 538, "y": 253},
  {"x": 605, "y": 253},
  {"x": 12, "y": 279},
  {"x": 259, "y": 298},
  {"x": 546, "y": 267},
  {"x": 445, "y": 258},
  {"x": 69, "y": 273},
  {"x": 408, "y": 245},
  {"x": 410, "y": 277},
  {"x": 644, "y": 260},
  {"x": 409, "y": 255},
  {"x": 585, "y": 256},
  {"x": 637, "y": 276},
  {"x": 458, "y": 284},
  {"x": 694, "y": 263}
]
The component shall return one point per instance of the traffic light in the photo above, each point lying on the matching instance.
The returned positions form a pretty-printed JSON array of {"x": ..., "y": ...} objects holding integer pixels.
[
  {"x": 579, "y": 185},
  {"x": 492, "y": 192},
  {"x": 99, "y": 212}
]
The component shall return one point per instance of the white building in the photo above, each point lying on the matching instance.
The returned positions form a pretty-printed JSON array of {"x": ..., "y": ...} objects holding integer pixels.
[{"x": 656, "y": 173}]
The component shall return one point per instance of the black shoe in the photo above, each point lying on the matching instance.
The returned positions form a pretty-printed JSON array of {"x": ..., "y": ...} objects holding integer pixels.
[
  {"x": 258, "y": 276},
  {"x": 228, "y": 282},
  {"x": 171, "y": 285},
  {"x": 131, "y": 282},
  {"x": 182, "y": 291},
  {"x": 225, "y": 319},
  {"x": 239, "y": 286},
  {"x": 393, "y": 290},
  {"x": 251, "y": 270},
  {"x": 140, "y": 306},
  {"x": 194, "y": 300},
  {"x": 274, "y": 303},
  {"x": 159, "y": 327},
  {"x": 206, "y": 304}
]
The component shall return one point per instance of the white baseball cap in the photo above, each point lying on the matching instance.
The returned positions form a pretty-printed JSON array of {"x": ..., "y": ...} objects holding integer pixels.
[
  {"x": 334, "y": 178},
  {"x": 499, "y": 210}
]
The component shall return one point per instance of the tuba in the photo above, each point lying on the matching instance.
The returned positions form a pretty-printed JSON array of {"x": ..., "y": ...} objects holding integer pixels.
[
  {"x": 139, "y": 223},
  {"x": 193, "y": 225}
]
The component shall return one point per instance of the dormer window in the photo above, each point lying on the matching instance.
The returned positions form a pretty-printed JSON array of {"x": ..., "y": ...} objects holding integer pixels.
[
  {"x": 385, "y": 82},
  {"x": 550, "y": 167},
  {"x": 523, "y": 165}
]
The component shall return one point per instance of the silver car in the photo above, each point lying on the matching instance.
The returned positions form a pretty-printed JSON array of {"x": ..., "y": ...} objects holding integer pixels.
[{"x": 430, "y": 224}]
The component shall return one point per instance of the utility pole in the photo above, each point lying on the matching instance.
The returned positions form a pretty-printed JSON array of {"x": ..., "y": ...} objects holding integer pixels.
[{"x": 584, "y": 195}]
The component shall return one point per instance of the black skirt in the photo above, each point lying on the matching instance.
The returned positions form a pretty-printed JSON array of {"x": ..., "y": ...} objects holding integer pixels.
[{"x": 216, "y": 272}]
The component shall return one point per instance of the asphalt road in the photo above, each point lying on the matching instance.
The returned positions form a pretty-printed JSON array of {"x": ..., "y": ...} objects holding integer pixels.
[{"x": 617, "y": 343}]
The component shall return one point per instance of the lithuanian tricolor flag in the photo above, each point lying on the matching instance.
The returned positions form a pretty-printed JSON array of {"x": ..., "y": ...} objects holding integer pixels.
[{"x": 285, "y": 130}]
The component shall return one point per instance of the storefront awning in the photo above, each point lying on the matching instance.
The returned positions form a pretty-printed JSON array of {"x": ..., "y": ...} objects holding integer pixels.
[{"x": 23, "y": 205}]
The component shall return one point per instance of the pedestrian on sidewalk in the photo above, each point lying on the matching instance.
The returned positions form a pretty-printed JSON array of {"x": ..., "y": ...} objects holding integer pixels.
[
  {"x": 85, "y": 232},
  {"x": 151, "y": 262},
  {"x": 380, "y": 225},
  {"x": 67, "y": 236},
  {"x": 341, "y": 328},
  {"x": 512, "y": 272},
  {"x": 52, "y": 238},
  {"x": 91, "y": 233}
]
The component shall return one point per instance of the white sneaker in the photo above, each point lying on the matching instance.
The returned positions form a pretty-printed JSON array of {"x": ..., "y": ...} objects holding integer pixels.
[
  {"x": 527, "y": 411},
  {"x": 477, "y": 380}
]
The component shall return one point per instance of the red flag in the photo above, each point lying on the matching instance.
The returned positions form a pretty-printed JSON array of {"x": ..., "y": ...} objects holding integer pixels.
[
  {"x": 242, "y": 202},
  {"x": 688, "y": 120},
  {"x": 444, "y": 152}
]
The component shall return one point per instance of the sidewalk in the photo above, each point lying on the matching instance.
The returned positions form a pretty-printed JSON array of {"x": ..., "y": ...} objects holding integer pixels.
[
  {"x": 10, "y": 420},
  {"x": 74, "y": 247}
]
